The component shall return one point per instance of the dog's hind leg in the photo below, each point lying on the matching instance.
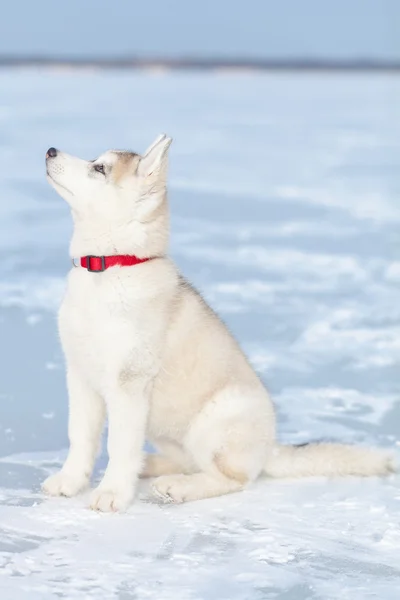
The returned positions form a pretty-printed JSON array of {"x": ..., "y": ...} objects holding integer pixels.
[
  {"x": 224, "y": 474},
  {"x": 186, "y": 488},
  {"x": 169, "y": 459},
  {"x": 227, "y": 443},
  {"x": 157, "y": 464}
]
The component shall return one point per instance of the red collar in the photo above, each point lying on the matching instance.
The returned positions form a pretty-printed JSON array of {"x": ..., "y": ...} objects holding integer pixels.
[{"x": 97, "y": 264}]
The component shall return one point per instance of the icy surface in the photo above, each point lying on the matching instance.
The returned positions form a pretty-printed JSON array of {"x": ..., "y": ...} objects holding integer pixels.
[{"x": 286, "y": 214}]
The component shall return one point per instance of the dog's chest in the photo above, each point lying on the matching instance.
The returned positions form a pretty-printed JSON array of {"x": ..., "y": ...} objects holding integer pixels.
[{"x": 98, "y": 327}]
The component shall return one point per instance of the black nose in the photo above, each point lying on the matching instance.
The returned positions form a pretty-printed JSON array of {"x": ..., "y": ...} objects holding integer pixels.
[{"x": 51, "y": 153}]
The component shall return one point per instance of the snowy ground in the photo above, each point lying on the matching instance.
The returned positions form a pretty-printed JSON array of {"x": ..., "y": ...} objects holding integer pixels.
[{"x": 286, "y": 213}]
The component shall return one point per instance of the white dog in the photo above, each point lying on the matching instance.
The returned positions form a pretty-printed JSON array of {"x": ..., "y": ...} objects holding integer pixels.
[{"x": 144, "y": 348}]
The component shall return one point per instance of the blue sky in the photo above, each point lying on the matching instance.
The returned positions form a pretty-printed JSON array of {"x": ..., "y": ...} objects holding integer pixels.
[{"x": 254, "y": 28}]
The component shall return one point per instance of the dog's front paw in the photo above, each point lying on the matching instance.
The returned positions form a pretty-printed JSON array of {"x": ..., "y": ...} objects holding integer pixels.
[
  {"x": 106, "y": 499},
  {"x": 64, "y": 484}
]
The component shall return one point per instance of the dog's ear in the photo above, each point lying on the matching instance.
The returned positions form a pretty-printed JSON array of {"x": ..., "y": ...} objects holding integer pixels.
[
  {"x": 158, "y": 139},
  {"x": 154, "y": 161}
]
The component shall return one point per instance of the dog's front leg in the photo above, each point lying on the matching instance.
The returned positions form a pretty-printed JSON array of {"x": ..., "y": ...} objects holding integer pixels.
[
  {"x": 127, "y": 416},
  {"x": 86, "y": 421}
]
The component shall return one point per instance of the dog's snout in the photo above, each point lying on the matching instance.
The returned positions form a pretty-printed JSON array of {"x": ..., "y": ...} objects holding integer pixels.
[{"x": 51, "y": 153}]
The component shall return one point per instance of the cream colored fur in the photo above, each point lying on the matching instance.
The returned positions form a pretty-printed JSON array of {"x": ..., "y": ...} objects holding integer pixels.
[{"x": 144, "y": 349}]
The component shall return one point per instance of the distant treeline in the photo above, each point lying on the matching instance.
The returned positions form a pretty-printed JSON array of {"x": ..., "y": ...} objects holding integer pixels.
[{"x": 201, "y": 64}]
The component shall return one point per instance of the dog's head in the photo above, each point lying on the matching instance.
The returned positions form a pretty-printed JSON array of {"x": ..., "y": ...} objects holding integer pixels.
[{"x": 120, "y": 193}]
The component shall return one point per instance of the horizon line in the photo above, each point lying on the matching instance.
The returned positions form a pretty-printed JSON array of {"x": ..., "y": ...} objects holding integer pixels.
[{"x": 201, "y": 64}]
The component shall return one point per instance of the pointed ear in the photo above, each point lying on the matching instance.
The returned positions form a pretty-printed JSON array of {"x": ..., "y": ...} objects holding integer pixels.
[
  {"x": 155, "y": 159},
  {"x": 158, "y": 139}
]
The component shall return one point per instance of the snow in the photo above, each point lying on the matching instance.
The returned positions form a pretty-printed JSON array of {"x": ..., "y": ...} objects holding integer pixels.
[{"x": 284, "y": 195}]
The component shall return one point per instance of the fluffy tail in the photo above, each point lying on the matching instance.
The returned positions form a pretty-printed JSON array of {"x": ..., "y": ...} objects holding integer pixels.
[{"x": 328, "y": 460}]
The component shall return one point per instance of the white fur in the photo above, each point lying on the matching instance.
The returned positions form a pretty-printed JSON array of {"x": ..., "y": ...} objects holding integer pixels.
[{"x": 143, "y": 348}]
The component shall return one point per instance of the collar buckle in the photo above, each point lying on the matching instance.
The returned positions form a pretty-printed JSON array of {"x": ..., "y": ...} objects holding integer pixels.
[{"x": 102, "y": 267}]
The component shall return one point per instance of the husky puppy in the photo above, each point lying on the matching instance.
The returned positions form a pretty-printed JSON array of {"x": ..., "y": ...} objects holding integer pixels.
[{"x": 145, "y": 350}]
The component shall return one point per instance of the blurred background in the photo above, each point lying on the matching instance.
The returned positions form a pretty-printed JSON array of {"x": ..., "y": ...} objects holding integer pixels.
[
  {"x": 260, "y": 30},
  {"x": 284, "y": 190}
]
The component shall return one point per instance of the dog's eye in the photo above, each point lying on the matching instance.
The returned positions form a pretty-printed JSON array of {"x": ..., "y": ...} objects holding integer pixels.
[{"x": 100, "y": 169}]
